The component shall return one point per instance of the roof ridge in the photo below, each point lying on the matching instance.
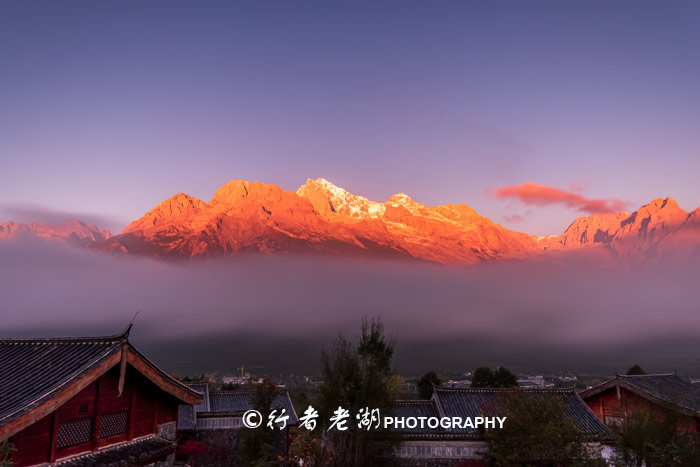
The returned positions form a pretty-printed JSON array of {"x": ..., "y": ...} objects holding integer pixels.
[
  {"x": 650, "y": 374},
  {"x": 244, "y": 391},
  {"x": 511, "y": 389},
  {"x": 65, "y": 339},
  {"x": 155, "y": 367},
  {"x": 413, "y": 401}
]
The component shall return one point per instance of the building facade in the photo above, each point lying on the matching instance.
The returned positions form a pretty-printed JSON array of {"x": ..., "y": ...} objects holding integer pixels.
[
  {"x": 87, "y": 401},
  {"x": 660, "y": 395}
]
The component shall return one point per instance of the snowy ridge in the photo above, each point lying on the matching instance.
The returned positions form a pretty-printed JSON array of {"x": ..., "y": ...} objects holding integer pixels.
[{"x": 345, "y": 203}]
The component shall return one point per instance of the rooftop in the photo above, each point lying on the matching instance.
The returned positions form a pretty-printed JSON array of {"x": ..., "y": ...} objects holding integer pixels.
[
  {"x": 475, "y": 402},
  {"x": 35, "y": 372},
  {"x": 230, "y": 403},
  {"x": 668, "y": 388},
  {"x": 139, "y": 451}
]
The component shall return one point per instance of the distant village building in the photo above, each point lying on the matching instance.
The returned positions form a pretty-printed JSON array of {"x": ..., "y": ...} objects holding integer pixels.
[
  {"x": 532, "y": 382},
  {"x": 87, "y": 401},
  {"x": 462, "y": 445},
  {"x": 211, "y": 429},
  {"x": 656, "y": 395}
]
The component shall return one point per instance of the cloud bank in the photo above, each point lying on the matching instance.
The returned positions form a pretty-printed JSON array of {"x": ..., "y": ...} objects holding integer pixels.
[
  {"x": 280, "y": 312},
  {"x": 535, "y": 194}
]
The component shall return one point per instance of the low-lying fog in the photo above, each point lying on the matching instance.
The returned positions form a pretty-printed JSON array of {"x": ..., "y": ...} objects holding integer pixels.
[{"x": 279, "y": 312}]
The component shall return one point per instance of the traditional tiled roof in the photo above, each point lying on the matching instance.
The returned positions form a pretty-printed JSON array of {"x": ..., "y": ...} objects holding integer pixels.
[
  {"x": 136, "y": 452},
  {"x": 666, "y": 389},
  {"x": 187, "y": 414},
  {"x": 475, "y": 402},
  {"x": 35, "y": 371},
  {"x": 415, "y": 408},
  {"x": 240, "y": 401},
  {"x": 186, "y": 417},
  {"x": 230, "y": 403},
  {"x": 420, "y": 408}
]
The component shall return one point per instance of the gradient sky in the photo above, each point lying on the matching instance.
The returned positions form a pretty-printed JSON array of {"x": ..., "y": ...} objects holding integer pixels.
[{"x": 107, "y": 108}]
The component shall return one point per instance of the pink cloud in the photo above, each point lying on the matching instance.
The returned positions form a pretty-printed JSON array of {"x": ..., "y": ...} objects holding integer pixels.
[{"x": 541, "y": 195}]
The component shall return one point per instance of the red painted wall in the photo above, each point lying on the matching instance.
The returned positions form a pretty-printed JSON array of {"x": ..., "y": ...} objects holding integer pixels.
[
  {"x": 151, "y": 407},
  {"x": 33, "y": 443},
  {"x": 607, "y": 404}
]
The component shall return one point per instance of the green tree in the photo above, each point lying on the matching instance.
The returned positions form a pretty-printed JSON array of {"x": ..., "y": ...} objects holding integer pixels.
[
  {"x": 356, "y": 377},
  {"x": 643, "y": 439},
  {"x": 396, "y": 386},
  {"x": 537, "y": 432},
  {"x": 636, "y": 370},
  {"x": 257, "y": 445},
  {"x": 503, "y": 378},
  {"x": 482, "y": 378},
  {"x": 425, "y": 384},
  {"x": 6, "y": 450}
]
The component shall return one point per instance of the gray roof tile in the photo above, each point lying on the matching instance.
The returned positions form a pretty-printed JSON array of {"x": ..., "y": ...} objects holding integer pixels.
[
  {"x": 669, "y": 388},
  {"x": 472, "y": 402},
  {"x": 34, "y": 370},
  {"x": 135, "y": 452}
]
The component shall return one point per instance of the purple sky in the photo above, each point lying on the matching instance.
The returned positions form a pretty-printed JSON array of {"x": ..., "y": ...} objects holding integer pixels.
[{"x": 106, "y": 108}]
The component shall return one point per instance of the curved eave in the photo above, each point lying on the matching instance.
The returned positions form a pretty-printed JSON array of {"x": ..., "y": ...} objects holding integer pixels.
[
  {"x": 97, "y": 369},
  {"x": 164, "y": 381},
  {"x": 613, "y": 383}
]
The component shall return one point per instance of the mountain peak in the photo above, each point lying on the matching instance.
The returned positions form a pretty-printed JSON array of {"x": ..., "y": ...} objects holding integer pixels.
[
  {"x": 321, "y": 217},
  {"x": 400, "y": 199},
  {"x": 328, "y": 198},
  {"x": 173, "y": 207},
  {"x": 231, "y": 192},
  {"x": 72, "y": 231},
  {"x": 667, "y": 203}
]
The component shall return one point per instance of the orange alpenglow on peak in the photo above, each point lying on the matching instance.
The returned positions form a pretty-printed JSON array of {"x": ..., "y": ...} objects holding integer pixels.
[
  {"x": 654, "y": 233},
  {"x": 321, "y": 218}
]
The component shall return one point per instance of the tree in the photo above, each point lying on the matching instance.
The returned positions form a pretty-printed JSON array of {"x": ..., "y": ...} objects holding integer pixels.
[
  {"x": 636, "y": 370},
  {"x": 396, "y": 386},
  {"x": 643, "y": 439},
  {"x": 258, "y": 445},
  {"x": 537, "y": 433},
  {"x": 425, "y": 384},
  {"x": 501, "y": 378},
  {"x": 483, "y": 377},
  {"x": 6, "y": 450},
  {"x": 356, "y": 377},
  {"x": 306, "y": 447}
]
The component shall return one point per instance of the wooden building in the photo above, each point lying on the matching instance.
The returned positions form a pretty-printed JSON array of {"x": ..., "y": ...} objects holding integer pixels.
[
  {"x": 87, "y": 401},
  {"x": 656, "y": 395}
]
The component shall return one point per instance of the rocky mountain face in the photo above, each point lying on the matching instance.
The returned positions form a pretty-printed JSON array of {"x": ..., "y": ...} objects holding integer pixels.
[
  {"x": 245, "y": 217},
  {"x": 321, "y": 218},
  {"x": 72, "y": 232},
  {"x": 655, "y": 232}
]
